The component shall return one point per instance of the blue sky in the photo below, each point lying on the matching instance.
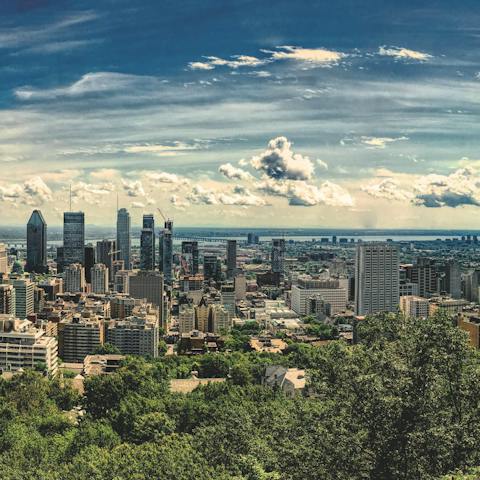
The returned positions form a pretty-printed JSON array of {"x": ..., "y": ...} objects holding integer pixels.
[{"x": 346, "y": 113}]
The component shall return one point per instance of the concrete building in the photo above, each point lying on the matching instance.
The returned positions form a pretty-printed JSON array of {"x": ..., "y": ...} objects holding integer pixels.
[
  {"x": 7, "y": 300},
  {"x": 331, "y": 290},
  {"x": 121, "y": 306},
  {"x": 24, "y": 297},
  {"x": 74, "y": 278},
  {"x": 99, "y": 274},
  {"x": 453, "y": 280},
  {"x": 470, "y": 323},
  {"x": 148, "y": 285},
  {"x": 24, "y": 346},
  {"x": 240, "y": 283},
  {"x": 123, "y": 237},
  {"x": 79, "y": 338},
  {"x": 221, "y": 319},
  {"x": 414, "y": 306},
  {"x": 376, "y": 278}
]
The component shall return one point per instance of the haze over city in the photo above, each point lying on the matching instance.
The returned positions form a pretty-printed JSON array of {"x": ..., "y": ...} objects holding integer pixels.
[{"x": 298, "y": 114}]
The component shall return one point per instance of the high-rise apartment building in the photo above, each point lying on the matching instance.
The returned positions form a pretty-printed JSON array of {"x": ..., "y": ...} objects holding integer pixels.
[
  {"x": 278, "y": 255},
  {"x": 7, "y": 300},
  {"x": 79, "y": 338},
  {"x": 147, "y": 243},
  {"x": 231, "y": 258},
  {"x": 74, "y": 278},
  {"x": 73, "y": 238},
  {"x": 414, "y": 306},
  {"x": 186, "y": 319},
  {"x": 99, "y": 276},
  {"x": 36, "y": 243},
  {"x": 123, "y": 237},
  {"x": 24, "y": 297},
  {"x": 228, "y": 298},
  {"x": 376, "y": 278}
]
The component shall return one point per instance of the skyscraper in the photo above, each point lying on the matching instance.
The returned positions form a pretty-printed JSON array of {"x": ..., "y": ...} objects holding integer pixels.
[
  {"x": 231, "y": 258},
  {"x": 190, "y": 257},
  {"x": 36, "y": 243},
  {"x": 147, "y": 243},
  {"x": 123, "y": 237},
  {"x": 74, "y": 278},
  {"x": 73, "y": 238},
  {"x": 3, "y": 258},
  {"x": 278, "y": 255},
  {"x": 376, "y": 278},
  {"x": 106, "y": 253},
  {"x": 166, "y": 252},
  {"x": 90, "y": 261},
  {"x": 24, "y": 297},
  {"x": 453, "y": 280}
]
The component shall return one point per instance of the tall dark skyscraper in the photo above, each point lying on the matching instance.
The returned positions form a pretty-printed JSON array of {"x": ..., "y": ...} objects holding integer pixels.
[
  {"x": 123, "y": 237},
  {"x": 147, "y": 243},
  {"x": 231, "y": 258},
  {"x": 278, "y": 255},
  {"x": 89, "y": 261},
  {"x": 73, "y": 238},
  {"x": 36, "y": 243},
  {"x": 106, "y": 254},
  {"x": 166, "y": 252},
  {"x": 190, "y": 257}
]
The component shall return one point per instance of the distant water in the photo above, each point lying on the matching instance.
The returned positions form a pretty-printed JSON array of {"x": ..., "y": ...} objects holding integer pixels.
[{"x": 17, "y": 235}]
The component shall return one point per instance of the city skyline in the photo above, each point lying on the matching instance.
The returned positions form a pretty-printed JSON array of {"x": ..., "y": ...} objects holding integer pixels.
[{"x": 306, "y": 115}]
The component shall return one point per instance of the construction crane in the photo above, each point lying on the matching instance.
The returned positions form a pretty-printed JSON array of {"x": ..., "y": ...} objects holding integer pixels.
[{"x": 168, "y": 221}]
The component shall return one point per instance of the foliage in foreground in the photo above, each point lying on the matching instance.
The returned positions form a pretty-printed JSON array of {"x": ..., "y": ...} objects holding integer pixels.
[{"x": 402, "y": 404}]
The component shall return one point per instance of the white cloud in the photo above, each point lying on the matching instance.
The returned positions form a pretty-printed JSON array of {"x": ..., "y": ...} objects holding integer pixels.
[
  {"x": 316, "y": 56},
  {"x": 388, "y": 188},
  {"x": 90, "y": 83},
  {"x": 133, "y": 188},
  {"x": 33, "y": 192},
  {"x": 160, "y": 150},
  {"x": 137, "y": 205},
  {"x": 229, "y": 171},
  {"x": 90, "y": 192},
  {"x": 236, "y": 61},
  {"x": 323, "y": 165},
  {"x": 462, "y": 187},
  {"x": 165, "y": 177},
  {"x": 304, "y": 194},
  {"x": 279, "y": 162},
  {"x": 380, "y": 142},
  {"x": 239, "y": 196},
  {"x": 403, "y": 53}
]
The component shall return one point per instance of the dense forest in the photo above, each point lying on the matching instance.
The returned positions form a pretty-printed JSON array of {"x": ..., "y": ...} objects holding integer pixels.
[{"x": 403, "y": 403}]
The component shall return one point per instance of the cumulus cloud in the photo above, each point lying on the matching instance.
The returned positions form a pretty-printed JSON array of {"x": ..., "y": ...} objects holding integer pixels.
[
  {"x": 462, "y": 187},
  {"x": 240, "y": 196},
  {"x": 165, "y": 177},
  {"x": 178, "y": 203},
  {"x": 403, "y": 53},
  {"x": 33, "y": 192},
  {"x": 229, "y": 171},
  {"x": 389, "y": 189},
  {"x": 279, "y": 162},
  {"x": 304, "y": 194},
  {"x": 133, "y": 188},
  {"x": 236, "y": 61},
  {"x": 137, "y": 205},
  {"x": 315, "y": 56},
  {"x": 90, "y": 192}
]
